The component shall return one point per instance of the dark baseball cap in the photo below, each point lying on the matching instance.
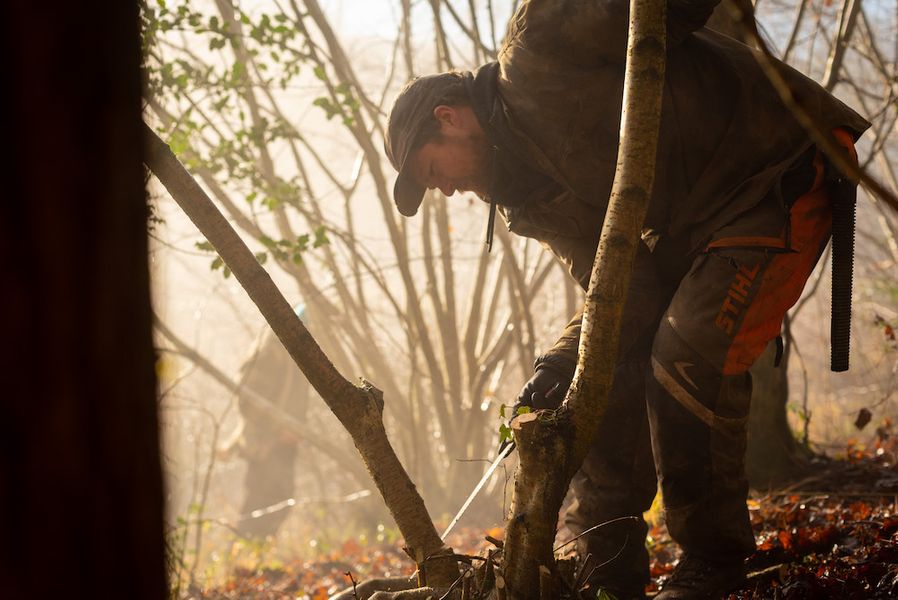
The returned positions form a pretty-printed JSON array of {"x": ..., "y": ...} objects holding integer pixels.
[{"x": 412, "y": 109}]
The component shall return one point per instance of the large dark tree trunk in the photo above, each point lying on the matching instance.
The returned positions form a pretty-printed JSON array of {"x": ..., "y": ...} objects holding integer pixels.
[{"x": 81, "y": 499}]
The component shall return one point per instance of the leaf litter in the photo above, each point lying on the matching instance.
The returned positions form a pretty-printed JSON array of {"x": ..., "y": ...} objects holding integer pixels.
[{"x": 831, "y": 535}]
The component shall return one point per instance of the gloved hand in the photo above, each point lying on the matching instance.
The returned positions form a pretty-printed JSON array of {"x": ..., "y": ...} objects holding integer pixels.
[{"x": 546, "y": 389}]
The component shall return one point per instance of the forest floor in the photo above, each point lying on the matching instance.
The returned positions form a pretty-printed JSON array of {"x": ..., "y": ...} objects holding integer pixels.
[{"x": 833, "y": 534}]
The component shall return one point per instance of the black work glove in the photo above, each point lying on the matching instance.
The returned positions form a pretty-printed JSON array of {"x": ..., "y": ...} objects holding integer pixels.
[{"x": 546, "y": 389}]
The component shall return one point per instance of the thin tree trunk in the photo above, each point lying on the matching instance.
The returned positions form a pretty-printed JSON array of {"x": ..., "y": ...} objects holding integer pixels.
[
  {"x": 847, "y": 19},
  {"x": 562, "y": 438},
  {"x": 359, "y": 408}
]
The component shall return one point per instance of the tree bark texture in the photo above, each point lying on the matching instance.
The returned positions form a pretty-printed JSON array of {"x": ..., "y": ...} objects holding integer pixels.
[
  {"x": 559, "y": 440},
  {"x": 359, "y": 408},
  {"x": 81, "y": 492}
]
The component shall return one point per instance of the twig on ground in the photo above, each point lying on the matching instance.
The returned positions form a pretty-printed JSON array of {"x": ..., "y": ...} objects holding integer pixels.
[
  {"x": 355, "y": 592},
  {"x": 593, "y": 528}
]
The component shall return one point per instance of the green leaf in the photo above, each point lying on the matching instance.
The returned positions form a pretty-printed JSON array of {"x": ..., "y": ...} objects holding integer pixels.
[
  {"x": 220, "y": 104},
  {"x": 522, "y": 410},
  {"x": 261, "y": 257},
  {"x": 329, "y": 107},
  {"x": 502, "y": 408},
  {"x": 205, "y": 246},
  {"x": 320, "y": 237},
  {"x": 217, "y": 263},
  {"x": 237, "y": 72},
  {"x": 319, "y": 73},
  {"x": 178, "y": 142},
  {"x": 504, "y": 433},
  {"x": 227, "y": 271}
]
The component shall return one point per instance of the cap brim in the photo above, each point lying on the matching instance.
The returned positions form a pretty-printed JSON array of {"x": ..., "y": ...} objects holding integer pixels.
[{"x": 408, "y": 194}]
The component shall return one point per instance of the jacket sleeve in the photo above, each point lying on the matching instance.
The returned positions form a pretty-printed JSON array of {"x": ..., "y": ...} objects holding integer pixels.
[
  {"x": 562, "y": 357},
  {"x": 578, "y": 255},
  {"x": 587, "y": 32}
]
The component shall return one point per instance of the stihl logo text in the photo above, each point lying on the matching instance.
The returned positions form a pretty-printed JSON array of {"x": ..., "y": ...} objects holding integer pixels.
[{"x": 736, "y": 298}]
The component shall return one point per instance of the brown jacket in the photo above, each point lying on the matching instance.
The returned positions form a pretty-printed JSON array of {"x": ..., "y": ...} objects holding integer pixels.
[{"x": 725, "y": 139}]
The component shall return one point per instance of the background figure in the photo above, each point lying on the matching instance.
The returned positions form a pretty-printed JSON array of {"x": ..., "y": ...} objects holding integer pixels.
[{"x": 270, "y": 450}]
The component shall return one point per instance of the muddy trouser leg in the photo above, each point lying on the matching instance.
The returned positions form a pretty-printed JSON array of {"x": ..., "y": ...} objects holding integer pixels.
[
  {"x": 617, "y": 478},
  {"x": 700, "y": 458},
  {"x": 724, "y": 312}
]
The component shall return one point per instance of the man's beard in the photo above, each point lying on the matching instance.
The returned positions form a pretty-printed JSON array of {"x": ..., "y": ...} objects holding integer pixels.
[
  {"x": 483, "y": 155},
  {"x": 505, "y": 185},
  {"x": 512, "y": 180}
]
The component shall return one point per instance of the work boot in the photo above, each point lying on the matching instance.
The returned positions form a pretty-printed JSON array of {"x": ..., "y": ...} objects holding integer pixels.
[{"x": 698, "y": 579}]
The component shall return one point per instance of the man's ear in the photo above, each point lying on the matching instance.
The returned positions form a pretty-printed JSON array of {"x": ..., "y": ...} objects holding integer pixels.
[{"x": 446, "y": 115}]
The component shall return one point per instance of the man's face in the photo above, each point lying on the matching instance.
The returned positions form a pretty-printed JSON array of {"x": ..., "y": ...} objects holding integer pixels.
[{"x": 460, "y": 160}]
